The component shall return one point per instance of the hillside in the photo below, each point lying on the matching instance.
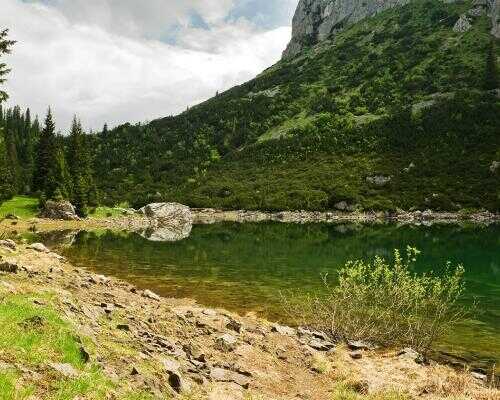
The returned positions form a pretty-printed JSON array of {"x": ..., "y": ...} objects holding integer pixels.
[{"x": 395, "y": 111}]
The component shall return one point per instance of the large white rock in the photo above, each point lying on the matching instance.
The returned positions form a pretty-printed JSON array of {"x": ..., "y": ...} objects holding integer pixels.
[{"x": 169, "y": 222}]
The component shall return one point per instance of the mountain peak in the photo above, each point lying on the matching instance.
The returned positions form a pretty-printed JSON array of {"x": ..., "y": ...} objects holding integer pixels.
[{"x": 318, "y": 20}]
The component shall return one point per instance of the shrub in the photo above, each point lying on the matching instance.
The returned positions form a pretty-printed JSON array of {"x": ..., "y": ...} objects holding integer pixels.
[{"x": 385, "y": 304}]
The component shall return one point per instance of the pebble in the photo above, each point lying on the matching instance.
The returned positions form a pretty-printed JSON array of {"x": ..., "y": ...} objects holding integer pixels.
[
  {"x": 226, "y": 342},
  {"x": 151, "y": 295},
  {"x": 40, "y": 247},
  {"x": 480, "y": 376},
  {"x": 9, "y": 267},
  {"x": 8, "y": 243},
  {"x": 359, "y": 345},
  {"x": 283, "y": 330},
  {"x": 65, "y": 370}
]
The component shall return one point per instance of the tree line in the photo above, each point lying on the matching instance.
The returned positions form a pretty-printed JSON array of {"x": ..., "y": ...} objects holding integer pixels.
[{"x": 36, "y": 159}]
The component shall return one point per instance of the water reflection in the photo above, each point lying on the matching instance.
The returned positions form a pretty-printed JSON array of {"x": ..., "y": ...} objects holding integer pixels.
[{"x": 243, "y": 267}]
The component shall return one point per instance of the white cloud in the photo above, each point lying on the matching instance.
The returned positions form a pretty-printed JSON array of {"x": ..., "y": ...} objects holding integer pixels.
[{"x": 103, "y": 59}]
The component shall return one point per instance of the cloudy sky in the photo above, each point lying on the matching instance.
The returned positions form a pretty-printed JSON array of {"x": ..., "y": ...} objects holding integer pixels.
[{"x": 135, "y": 60}]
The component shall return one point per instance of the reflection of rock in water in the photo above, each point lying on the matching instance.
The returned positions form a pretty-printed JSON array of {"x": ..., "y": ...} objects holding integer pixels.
[
  {"x": 64, "y": 238},
  {"x": 167, "y": 233},
  {"x": 169, "y": 222}
]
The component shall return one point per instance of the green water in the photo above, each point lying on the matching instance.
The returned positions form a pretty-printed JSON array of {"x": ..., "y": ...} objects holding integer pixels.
[{"x": 243, "y": 267}]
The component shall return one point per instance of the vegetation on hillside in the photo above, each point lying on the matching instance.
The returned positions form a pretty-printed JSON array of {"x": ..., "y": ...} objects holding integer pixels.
[
  {"x": 397, "y": 90},
  {"x": 399, "y": 96}
]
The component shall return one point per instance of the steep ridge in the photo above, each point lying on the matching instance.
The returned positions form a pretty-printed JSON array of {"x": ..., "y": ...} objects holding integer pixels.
[
  {"x": 397, "y": 111},
  {"x": 318, "y": 20}
]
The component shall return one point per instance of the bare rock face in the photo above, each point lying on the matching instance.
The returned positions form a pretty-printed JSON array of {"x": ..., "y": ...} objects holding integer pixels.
[
  {"x": 463, "y": 24},
  {"x": 316, "y": 20},
  {"x": 59, "y": 210},
  {"x": 169, "y": 222}
]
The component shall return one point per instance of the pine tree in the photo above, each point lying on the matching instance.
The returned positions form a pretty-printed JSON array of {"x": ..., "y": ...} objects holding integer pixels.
[
  {"x": 80, "y": 169},
  {"x": 5, "y": 47},
  {"x": 51, "y": 176},
  {"x": 6, "y": 180},
  {"x": 491, "y": 78},
  {"x": 105, "y": 130}
]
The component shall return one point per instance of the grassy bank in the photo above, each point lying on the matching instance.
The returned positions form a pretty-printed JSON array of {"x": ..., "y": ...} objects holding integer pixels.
[
  {"x": 26, "y": 207},
  {"x": 21, "y": 206}
]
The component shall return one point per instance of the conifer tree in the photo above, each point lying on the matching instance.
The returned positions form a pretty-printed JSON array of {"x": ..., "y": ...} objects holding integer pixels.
[
  {"x": 105, "y": 130},
  {"x": 51, "y": 176},
  {"x": 80, "y": 168},
  {"x": 6, "y": 178}
]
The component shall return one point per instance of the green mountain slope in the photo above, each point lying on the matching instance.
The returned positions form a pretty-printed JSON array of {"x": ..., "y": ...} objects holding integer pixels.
[{"x": 397, "y": 111}]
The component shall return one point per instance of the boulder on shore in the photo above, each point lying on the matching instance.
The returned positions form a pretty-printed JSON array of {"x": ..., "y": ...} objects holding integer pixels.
[
  {"x": 169, "y": 222},
  {"x": 59, "y": 210}
]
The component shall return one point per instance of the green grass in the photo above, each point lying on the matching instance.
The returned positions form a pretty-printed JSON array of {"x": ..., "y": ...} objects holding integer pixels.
[
  {"x": 32, "y": 335},
  {"x": 37, "y": 336},
  {"x": 105, "y": 212},
  {"x": 21, "y": 206},
  {"x": 8, "y": 389}
]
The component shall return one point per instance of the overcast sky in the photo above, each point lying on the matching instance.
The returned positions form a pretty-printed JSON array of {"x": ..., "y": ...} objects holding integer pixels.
[{"x": 136, "y": 60}]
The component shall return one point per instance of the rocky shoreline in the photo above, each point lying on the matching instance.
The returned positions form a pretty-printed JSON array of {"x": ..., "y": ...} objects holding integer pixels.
[
  {"x": 171, "y": 347},
  {"x": 136, "y": 221},
  {"x": 428, "y": 217}
]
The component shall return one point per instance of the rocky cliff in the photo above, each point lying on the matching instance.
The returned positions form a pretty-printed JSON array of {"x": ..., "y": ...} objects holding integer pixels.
[{"x": 317, "y": 20}]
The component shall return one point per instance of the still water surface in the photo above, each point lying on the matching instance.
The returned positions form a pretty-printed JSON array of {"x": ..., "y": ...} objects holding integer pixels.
[{"x": 243, "y": 267}]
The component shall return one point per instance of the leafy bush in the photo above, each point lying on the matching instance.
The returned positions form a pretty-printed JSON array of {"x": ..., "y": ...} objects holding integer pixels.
[{"x": 385, "y": 304}]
